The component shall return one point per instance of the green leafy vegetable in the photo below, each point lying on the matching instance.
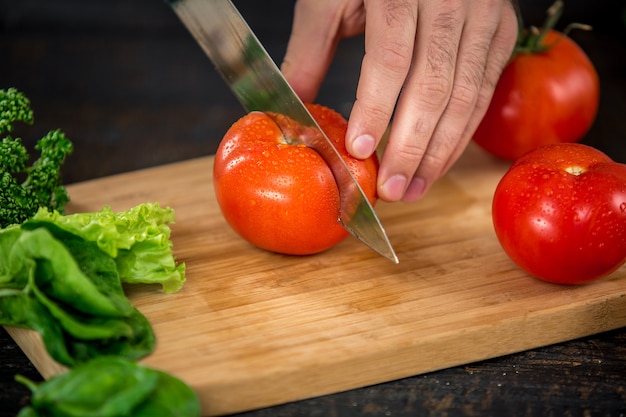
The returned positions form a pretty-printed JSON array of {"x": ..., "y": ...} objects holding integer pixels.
[
  {"x": 111, "y": 387},
  {"x": 61, "y": 275},
  {"x": 79, "y": 309},
  {"x": 41, "y": 184},
  {"x": 138, "y": 239}
]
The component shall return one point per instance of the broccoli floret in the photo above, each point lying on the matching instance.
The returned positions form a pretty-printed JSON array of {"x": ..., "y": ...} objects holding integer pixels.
[
  {"x": 24, "y": 189},
  {"x": 14, "y": 107}
]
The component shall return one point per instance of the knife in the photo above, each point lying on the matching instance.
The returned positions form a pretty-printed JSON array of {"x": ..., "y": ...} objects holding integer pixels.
[{"x": 259, "y": 85}]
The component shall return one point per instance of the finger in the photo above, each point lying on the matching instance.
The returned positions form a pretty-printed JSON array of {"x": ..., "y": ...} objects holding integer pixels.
[
  {"x": 389, "y": 42},
  {"x": 424, "y": 97},
  {"x": 452, "y": 132},
  {"x": 314, "y": 37},
  {"x": 502, "y": 45}
]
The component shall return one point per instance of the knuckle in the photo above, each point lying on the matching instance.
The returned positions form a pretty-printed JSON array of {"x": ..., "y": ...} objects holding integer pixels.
[
  {"x": 434, "y": 91},
  {"x": 422, "y": 127},
  {"x": 483, "y": 100},
  {"x": 438, "y": 154},
  {"x": 393, "y": 47},
  {"x": 434, "y": 162},
  {"x": 494, "y": 69},
  {"x": 394, "y": 55},
  {"x": 375, "y": 114},
  {"x": 463, "y": 98},
  {"x": 466, "y": 89},
  {"x": 410, "y": 153}
]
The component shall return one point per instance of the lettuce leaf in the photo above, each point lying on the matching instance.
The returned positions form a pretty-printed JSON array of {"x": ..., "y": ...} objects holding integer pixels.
[{"x": 138, "y": 239}]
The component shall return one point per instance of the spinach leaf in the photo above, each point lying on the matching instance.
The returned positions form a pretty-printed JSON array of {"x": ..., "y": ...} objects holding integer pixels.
[
  {"x": 71, "y": 294},
  {"x": 99, "y": 267},
  {"x": 111, "y": 387},
  {"x": 37, "y": 253},
  {"x": 140, "y": 344}
]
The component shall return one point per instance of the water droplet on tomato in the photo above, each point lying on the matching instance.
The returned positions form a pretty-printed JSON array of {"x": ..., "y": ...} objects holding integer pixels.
[{"x": 622, "y": 207}]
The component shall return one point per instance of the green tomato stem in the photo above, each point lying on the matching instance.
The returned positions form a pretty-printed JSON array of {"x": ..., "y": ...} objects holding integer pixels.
[{"x": 531, "y": 40}]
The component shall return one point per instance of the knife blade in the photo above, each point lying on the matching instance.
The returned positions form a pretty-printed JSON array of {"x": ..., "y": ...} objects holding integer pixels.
[{"x": 257, "y": 82}]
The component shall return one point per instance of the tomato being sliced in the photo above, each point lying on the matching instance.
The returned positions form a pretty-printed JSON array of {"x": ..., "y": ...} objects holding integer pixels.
[{"x": 282, "y": 196}]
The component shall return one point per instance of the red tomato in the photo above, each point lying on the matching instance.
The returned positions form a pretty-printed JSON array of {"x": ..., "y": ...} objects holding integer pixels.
[
  {"x": 541, "y": 98},
  {"x": 283, "y": 197},
  {"x": 560, "y": 213}
]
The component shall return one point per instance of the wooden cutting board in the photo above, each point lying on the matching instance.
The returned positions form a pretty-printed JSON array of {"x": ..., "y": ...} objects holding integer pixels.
[{"x": 252, "y": 329}]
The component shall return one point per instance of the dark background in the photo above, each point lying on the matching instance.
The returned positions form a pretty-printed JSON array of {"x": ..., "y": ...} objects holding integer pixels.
[{"x": 131, "y": 88}]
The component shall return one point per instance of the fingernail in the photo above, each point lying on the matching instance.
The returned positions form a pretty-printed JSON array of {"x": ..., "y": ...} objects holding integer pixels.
[
  {"x": 415, "y": 190},
  {"x": 393, "y": 188},
  {"x": 363, "y": 146}
]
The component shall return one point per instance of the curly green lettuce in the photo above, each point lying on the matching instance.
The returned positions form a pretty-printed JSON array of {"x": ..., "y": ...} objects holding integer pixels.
[{"x": 138, "y": 239}]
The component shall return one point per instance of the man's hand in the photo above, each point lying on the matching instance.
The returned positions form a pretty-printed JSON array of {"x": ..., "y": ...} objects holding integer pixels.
[{"x": 432, "y": 64}]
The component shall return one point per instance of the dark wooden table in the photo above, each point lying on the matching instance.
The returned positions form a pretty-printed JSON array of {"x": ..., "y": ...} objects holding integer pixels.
[{"x": 129, "y": 86}]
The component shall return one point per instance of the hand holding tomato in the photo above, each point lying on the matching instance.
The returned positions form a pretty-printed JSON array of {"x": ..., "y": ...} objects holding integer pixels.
[
  {"x": 548, "y": 93},
  {"x": 560, "y": 213},
  {"x": 282, "y": 196},
  {"x": 427, "y": 76}
]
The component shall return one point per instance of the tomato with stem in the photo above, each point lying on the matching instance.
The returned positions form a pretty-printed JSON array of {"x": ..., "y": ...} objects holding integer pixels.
[
  {"x": 548, "y": 93},
  {"x": 280, "y": 195},
  {"x": 560, "y": 213}
]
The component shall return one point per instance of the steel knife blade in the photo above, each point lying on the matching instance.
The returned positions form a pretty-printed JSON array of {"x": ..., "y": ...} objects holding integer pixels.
[{"x": 257, "y": 82}]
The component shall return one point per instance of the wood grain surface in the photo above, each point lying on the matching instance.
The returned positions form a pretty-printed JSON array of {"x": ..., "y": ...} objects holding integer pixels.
[{"x": 252, "y": 329}]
